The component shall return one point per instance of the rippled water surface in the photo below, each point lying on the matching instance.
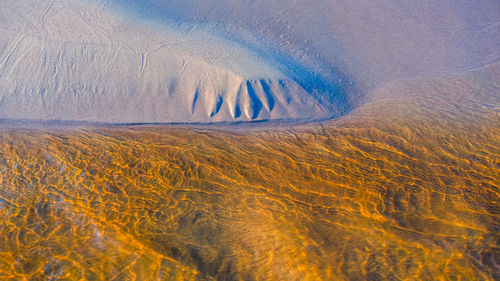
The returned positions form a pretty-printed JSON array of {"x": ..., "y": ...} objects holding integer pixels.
[{"x": 397, "y": 195}]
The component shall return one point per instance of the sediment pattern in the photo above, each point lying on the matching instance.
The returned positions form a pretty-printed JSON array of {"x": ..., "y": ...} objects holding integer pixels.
[
  {"x": 400, "y": 201},
  {"x": 406, "y": 187},
  {"x": 84, "y": 61}
]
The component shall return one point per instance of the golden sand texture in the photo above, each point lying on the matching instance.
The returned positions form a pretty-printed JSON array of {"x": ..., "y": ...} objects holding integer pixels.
[
  {"x": 396, "y": 195},
  {"x": 353, "y": 203}
]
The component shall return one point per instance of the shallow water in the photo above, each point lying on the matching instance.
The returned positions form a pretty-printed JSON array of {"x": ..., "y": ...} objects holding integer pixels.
[
  {"x": 147, "y": 204},
  {"x": 404, "y": 189}
]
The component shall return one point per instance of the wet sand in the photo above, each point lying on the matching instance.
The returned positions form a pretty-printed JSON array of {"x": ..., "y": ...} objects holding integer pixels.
[{"x": 402, "y": 189}]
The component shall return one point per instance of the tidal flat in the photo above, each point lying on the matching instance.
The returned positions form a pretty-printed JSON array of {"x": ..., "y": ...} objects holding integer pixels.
[{"x": 404, "y": 188}]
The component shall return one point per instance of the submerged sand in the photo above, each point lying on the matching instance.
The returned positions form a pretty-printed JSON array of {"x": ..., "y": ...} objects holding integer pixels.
[{"x": 405, "y": 188}]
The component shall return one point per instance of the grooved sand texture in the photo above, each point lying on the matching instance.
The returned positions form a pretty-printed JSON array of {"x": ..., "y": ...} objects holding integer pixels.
[{"x": 397, "y": 191}]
